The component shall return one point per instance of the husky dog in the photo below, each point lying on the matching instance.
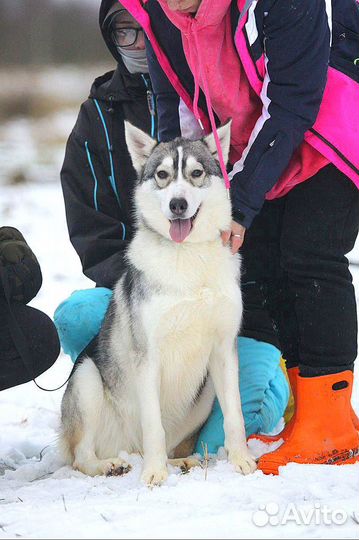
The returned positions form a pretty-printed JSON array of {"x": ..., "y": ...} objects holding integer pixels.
[{"x": 168, "y": 344}]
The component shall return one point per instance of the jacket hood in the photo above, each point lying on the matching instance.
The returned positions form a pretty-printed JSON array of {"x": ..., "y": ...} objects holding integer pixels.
[
  {"x": 210, "y": 13},
  {"x": 105, "y": 7},
  {"x": 118, "y": 85}
]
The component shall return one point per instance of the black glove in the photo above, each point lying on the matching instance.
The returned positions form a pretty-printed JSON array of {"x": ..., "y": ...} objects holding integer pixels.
[{"x": 19, "y": 265}]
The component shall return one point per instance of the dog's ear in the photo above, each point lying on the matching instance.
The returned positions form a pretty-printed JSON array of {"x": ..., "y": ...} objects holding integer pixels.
[
  {"x": 139, "y": 144},
  {"x": 224, "y": 135}
]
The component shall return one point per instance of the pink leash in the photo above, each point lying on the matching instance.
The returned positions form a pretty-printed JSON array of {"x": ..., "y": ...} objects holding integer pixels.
[{"x": 209, "y": 106}]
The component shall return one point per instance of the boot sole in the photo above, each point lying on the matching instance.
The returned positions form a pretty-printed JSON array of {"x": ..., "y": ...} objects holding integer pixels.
[{"x": 346, "y": 457}]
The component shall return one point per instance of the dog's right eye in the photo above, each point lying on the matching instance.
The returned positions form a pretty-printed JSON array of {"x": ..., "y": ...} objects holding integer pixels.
[{"x": 162, "y": 175}]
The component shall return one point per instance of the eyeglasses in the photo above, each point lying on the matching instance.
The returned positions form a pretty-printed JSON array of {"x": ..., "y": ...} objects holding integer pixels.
[{"x": 125, "y": 37}]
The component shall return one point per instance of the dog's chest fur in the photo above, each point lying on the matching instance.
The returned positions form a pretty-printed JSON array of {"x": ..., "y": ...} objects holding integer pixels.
[
  {"x": 189, "y": 287},
  {"x": 192, "y": 301}
]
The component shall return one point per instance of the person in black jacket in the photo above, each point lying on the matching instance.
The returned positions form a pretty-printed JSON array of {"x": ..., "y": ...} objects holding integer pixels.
[
  {"x": 98, "y": 180},
  {"x": 29, "y": 344},
  {"x": 97, "y": 175}
]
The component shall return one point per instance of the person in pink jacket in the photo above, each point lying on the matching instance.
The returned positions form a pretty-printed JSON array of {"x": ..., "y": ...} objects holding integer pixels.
[{"x": 287, "y": 75}]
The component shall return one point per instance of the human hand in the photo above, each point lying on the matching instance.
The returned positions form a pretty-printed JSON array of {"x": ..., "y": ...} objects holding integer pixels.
[{"x": 235, "y": 236}]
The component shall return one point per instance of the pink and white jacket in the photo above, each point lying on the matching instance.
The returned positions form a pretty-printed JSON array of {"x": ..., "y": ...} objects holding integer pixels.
[{"x": 286, "y": 72}]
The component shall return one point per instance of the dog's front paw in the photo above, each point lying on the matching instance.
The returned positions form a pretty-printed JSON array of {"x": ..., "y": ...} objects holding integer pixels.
[
  {"x": 154, "y": 476},
  {"x": 242, "y": 460}
]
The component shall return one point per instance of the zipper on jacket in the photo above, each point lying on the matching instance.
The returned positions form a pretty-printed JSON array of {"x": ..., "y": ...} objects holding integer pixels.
[
  {"x": 151, "y": 104},
  {"x": 89, "y": 159},
  {"x": 110, "y": 151}
]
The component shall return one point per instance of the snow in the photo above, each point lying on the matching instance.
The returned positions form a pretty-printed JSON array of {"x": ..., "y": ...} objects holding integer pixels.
[
  {"x": 32, "y": 147},
  {"x": 42, "y": 498}
]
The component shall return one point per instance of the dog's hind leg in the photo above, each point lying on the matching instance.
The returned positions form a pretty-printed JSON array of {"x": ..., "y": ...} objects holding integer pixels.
[
  {"x": 82, "y": 410},
  {"x": 185, "y": 464},
  {"x": 181, "y": 455},
  {"x": 223, "y": 369},
  {"x": 195, "y": 419},
  {"x": 185, "y": 448}
]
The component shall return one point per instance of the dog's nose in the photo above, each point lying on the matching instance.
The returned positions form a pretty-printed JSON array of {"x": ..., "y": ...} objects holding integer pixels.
[{"x": 178, "y": 206}]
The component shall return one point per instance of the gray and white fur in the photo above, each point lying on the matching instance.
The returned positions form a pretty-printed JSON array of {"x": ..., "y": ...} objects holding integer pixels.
[{"x": 168, "y": 343}]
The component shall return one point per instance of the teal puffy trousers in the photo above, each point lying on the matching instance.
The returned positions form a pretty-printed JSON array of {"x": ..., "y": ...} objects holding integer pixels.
[
  {"x": 264, "y": 394},
  {"x": 78, "y": 319},
  {"x": 263, "y": 385}
]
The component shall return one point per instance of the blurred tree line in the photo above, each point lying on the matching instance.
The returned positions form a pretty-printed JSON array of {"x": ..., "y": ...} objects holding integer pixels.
[{"x": 39, "y": 32}]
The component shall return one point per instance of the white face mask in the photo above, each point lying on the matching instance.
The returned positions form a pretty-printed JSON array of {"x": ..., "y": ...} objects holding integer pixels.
[{"x": 134, "y": 60}]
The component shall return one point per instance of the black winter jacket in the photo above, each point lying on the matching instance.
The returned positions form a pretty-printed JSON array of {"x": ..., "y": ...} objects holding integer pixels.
[{"x": 97, "y": 176}]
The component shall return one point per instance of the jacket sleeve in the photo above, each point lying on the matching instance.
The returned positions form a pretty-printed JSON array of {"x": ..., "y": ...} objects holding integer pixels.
[
  {"x": 297, "y": 46},
  {"x": 95, "y": 228}
]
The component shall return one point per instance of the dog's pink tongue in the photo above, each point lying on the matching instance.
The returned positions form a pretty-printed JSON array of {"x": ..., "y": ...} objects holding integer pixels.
[{"x": 180, "y": 229}]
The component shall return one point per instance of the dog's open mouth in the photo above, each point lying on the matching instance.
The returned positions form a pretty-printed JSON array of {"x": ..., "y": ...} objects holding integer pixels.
[{"x": 180, "y": 228}]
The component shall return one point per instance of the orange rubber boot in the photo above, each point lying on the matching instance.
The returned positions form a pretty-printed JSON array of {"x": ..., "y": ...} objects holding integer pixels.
[
  {"x": 323, "y": 431},
  {"x": 284, "y": 434}
]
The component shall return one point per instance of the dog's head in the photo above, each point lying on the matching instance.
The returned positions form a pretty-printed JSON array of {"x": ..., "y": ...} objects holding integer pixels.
[{"x": 180, "y": 192}]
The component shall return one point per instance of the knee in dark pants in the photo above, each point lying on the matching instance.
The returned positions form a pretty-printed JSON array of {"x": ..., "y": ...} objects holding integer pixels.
[
  {"x": 42, "y": 340},
  {"x": 258, "y": 323}
]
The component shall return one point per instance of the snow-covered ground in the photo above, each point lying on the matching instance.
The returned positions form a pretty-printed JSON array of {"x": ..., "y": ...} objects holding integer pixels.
[{"x": 41, "y": 498}]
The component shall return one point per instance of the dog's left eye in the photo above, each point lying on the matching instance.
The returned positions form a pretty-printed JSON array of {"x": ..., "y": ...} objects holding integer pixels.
[
  {"x": 196, "y": 173},
  {"x": 162, "y": 175}
]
